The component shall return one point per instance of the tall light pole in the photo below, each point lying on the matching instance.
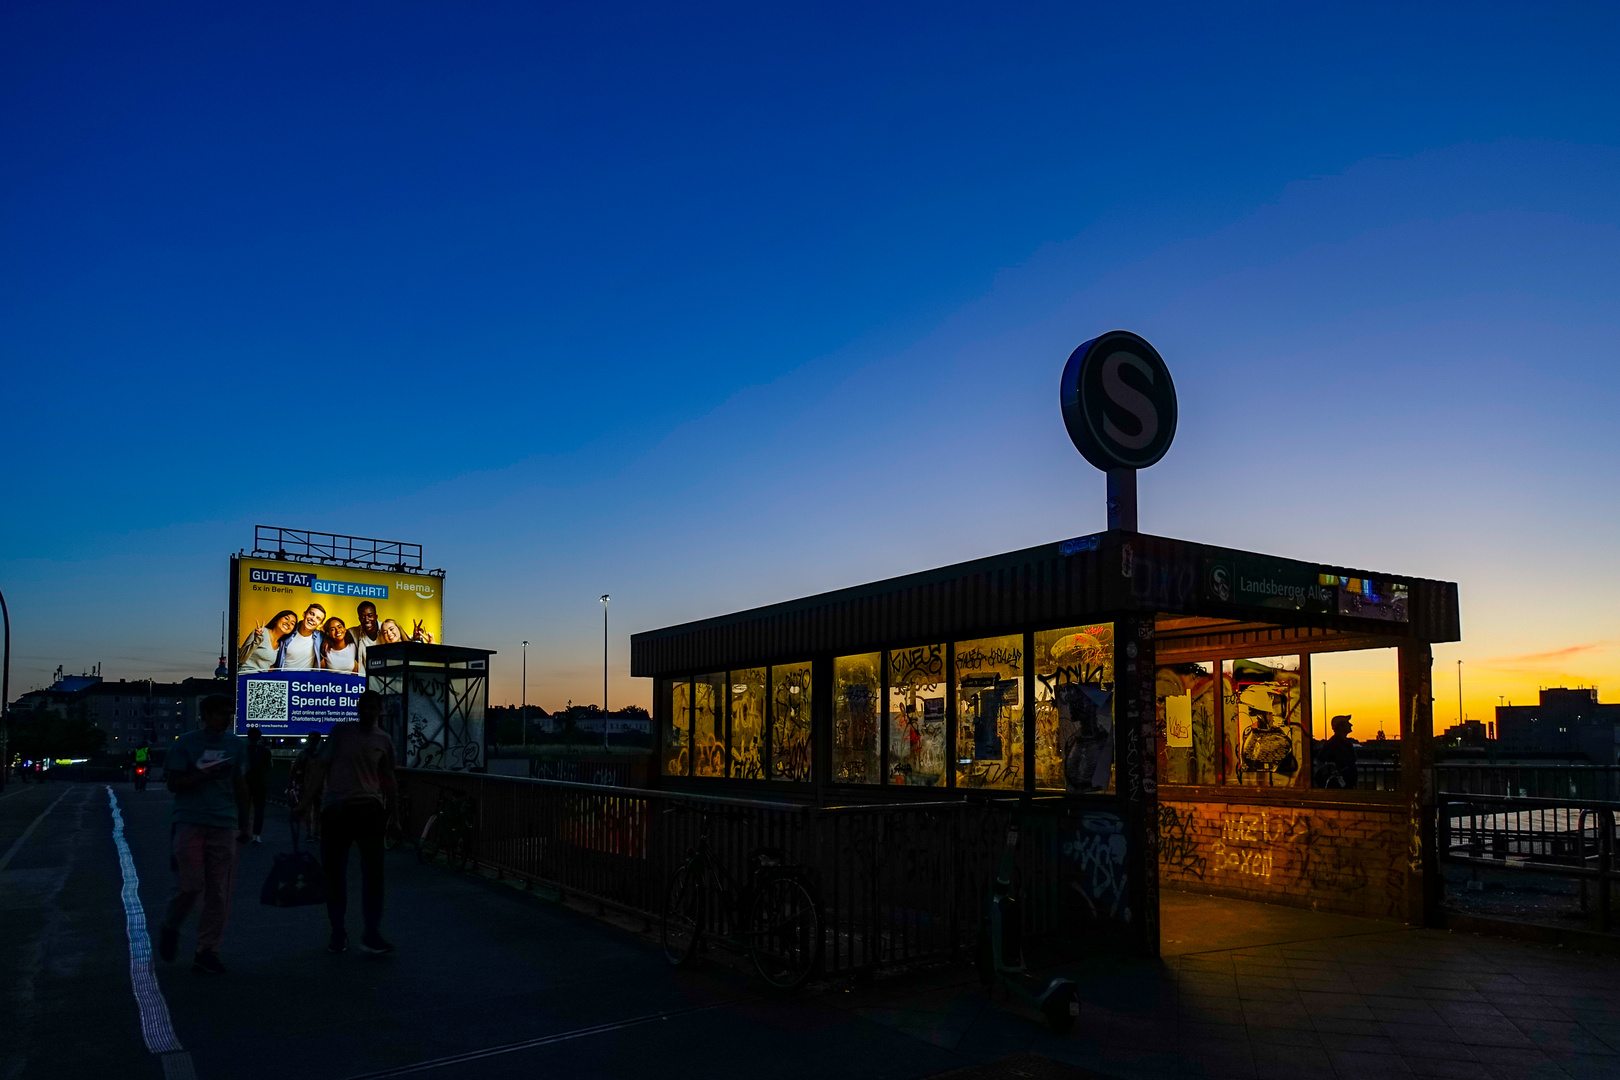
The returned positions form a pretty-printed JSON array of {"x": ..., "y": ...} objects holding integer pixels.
[
  {"x": 5, "y": 697},
  {"x": 1324, "y": 710},
  {"x": 604, "y": 670},
  {"x": 1459, "y": 694},
  {"x": 524, "y": 710}
]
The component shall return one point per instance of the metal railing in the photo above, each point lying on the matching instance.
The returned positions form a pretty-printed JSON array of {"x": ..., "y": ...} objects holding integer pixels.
[
  {"x": 898, "y": 883},
  {"x": 1559, "y": 837},
  {"x": 1594, "y": 783}
]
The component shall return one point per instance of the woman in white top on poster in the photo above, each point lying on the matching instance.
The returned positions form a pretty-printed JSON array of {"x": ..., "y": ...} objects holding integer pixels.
[
  {"x": 338, "y": 650},
  {"x": 259, "y": 649}
]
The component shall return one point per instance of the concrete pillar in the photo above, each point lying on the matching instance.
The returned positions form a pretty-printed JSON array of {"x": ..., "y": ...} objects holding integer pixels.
[{"x": 1135, "y": 773}]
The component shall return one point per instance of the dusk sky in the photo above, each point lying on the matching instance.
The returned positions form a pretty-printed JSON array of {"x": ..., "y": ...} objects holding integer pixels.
[{"x": 710, "y": 307}]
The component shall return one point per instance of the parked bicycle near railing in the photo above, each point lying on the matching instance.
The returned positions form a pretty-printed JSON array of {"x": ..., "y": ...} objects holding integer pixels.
[
  {"x": 451, "y": 830},
  {"x": 773, "y": 916}
]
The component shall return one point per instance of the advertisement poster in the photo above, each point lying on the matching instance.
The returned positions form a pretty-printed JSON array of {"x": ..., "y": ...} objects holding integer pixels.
[{"x": 302, "y": 631}]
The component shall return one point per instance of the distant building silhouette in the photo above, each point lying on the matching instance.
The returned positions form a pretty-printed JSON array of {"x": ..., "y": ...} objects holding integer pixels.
[
  {"x": 1565, "y": 721},
  {"x": 130, "y": 712}
]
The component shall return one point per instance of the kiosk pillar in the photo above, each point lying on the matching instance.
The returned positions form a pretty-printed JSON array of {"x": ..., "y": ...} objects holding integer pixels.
[
  {"x": 1135, "y": 768},
  {"x": 1423, "y": 882}
]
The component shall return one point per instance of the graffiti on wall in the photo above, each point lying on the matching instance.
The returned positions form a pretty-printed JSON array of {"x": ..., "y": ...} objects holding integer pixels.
[
  {"x": 1324, "y": 854},
  {"x": 1179, "y": 850},
  {"x": 439, "y": 732},
  {"x": 1094, "y": 854}
]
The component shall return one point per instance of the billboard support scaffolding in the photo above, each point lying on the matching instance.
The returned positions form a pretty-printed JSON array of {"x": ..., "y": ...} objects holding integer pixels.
[{"x": 305, "y": 545}]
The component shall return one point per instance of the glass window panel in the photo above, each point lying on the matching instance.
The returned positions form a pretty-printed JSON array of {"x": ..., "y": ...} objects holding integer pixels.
[
  {"x": 1188, "y": 732},
  {"x": 748, "y": 724},
  {"x": 677, "y": 728},
  {"x": 857, "y": 695},
  {"x": 990, "y": 712},
  {"x": 790, "y": 722},
  {"x": 709, "y": 725},
  {"x": 1264, "y": 728},
  {"x": 1363, "y": 687},
  {"x": 1074, "y": 708},
  {"x": 917, "y": 716}
]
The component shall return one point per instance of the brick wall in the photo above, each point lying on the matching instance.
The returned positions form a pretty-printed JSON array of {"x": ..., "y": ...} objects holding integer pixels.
[{"x": 1350, "y": 860}]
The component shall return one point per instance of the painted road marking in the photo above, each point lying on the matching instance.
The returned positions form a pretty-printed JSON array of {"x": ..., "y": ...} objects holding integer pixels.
[
  {"x": 526, "y": 1044},
  {"x": 5, "y": 860},
  {"x": 155, "y": 1026}
]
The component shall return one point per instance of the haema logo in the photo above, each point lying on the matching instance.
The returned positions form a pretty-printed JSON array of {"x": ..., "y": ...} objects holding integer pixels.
[
  {"x": 422, "y": 589},
  {"x": 1119, "y": 403}
]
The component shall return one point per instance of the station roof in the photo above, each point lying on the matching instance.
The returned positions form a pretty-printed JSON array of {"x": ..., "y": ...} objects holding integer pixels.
[{"x": 1205, "y": 599}]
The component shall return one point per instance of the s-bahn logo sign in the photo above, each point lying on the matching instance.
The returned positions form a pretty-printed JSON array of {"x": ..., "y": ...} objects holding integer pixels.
[{"x": 1118, "y": 402}]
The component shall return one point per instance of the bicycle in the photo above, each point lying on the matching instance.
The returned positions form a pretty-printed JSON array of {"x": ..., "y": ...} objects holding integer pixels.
[
  {"x": 773, "y": 917},
  {"x": 394, "y": 835},
  {"x": 452, "y": 829}
]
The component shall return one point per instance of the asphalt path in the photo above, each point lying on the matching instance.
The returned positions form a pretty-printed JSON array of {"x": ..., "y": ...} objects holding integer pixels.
[
  {"x": 64, "y": 956},
  {"x": 489, "y": 981}
]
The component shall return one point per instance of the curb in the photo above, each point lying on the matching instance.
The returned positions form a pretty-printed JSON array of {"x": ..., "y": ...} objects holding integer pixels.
[{"x": 1564, "y": 937}]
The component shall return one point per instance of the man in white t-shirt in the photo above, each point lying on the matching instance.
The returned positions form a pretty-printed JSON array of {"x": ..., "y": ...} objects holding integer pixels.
[
  {"x": 366, "y": 629},
  {"x": 301, "y": 649}
]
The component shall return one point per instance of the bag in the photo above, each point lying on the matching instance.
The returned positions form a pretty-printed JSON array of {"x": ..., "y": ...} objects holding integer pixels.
[{"x": 295, "y": 880}]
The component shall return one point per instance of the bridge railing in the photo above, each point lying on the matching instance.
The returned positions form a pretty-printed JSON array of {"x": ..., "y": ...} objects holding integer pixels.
[
  {"x": 899, "y": 883},
  {"x": 1568, "y": 838}
]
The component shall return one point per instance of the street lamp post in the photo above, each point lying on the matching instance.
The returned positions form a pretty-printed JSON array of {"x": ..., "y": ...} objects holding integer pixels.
[
  {"x": 604, "y": 671},
  {"x": 5, "y": 698},
  {"x": 523, "y": 711}
]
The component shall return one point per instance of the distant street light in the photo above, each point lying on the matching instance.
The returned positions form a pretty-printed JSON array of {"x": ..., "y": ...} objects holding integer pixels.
[
  {"x": 604, "y": 670},
  {"x": 1459, "y": 694},
  {"x": 5, "y": 697},
  {"x": 523, "y": 712}
]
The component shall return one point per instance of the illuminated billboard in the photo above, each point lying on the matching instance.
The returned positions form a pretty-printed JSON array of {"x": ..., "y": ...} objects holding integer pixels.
[{"x": 302, "y": 631}]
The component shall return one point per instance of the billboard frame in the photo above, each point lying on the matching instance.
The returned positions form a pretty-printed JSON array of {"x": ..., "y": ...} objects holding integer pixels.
[{"x": 311, "y": 547}]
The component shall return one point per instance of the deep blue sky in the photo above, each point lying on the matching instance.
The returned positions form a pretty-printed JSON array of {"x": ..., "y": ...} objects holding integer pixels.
[{"x": 708, "y": 307}]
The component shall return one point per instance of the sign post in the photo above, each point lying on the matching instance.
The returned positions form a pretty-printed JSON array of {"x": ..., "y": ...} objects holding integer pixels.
[{"x": 1119, "y": 406}]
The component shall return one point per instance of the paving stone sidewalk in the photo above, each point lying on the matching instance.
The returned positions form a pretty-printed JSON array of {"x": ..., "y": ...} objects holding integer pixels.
[{"x": 1398, "y": 1002}]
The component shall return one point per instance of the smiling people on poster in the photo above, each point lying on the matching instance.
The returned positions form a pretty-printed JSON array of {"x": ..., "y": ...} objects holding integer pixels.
[
  {"x": 300, "y": 650},
  {"x": 261, "y": 649}
]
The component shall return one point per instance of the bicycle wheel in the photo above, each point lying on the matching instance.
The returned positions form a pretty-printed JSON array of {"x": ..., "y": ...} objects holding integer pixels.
[
  {"x": 463, "y": 847},
  {"x": 683, "y": 914},
  {"x": 784, "y": 932},
  {"x": 430, "y": 842}
]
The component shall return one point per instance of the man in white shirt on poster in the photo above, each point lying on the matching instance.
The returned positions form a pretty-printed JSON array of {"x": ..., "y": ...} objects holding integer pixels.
[{"x": 300, "y": 650}]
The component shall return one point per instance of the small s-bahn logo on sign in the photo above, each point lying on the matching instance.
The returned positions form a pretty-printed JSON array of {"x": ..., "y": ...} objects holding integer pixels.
[{"x": 1118, "y": 402}]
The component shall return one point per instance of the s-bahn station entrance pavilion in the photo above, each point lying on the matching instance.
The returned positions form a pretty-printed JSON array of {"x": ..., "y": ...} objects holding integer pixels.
[{"x": 1154, "y": 694}]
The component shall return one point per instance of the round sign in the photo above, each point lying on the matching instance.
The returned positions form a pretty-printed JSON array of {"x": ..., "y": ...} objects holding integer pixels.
[{"x": 1118, "y": 402}]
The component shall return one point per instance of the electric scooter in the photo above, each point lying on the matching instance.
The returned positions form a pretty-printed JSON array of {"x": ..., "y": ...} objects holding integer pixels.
[
  {"x": 140, "y": 778},
  {"x": 1001, "y": 949}
]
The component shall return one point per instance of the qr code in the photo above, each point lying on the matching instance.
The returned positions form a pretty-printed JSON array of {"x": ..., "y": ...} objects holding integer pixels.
[{"x": 267, "y": 700}]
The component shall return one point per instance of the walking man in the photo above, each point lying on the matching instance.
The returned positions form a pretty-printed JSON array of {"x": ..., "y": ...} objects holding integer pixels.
[
  {"x": 353, "y": 778},
  {"x": 258, "y": 778},
  {"x": 206, "y": 770}
]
